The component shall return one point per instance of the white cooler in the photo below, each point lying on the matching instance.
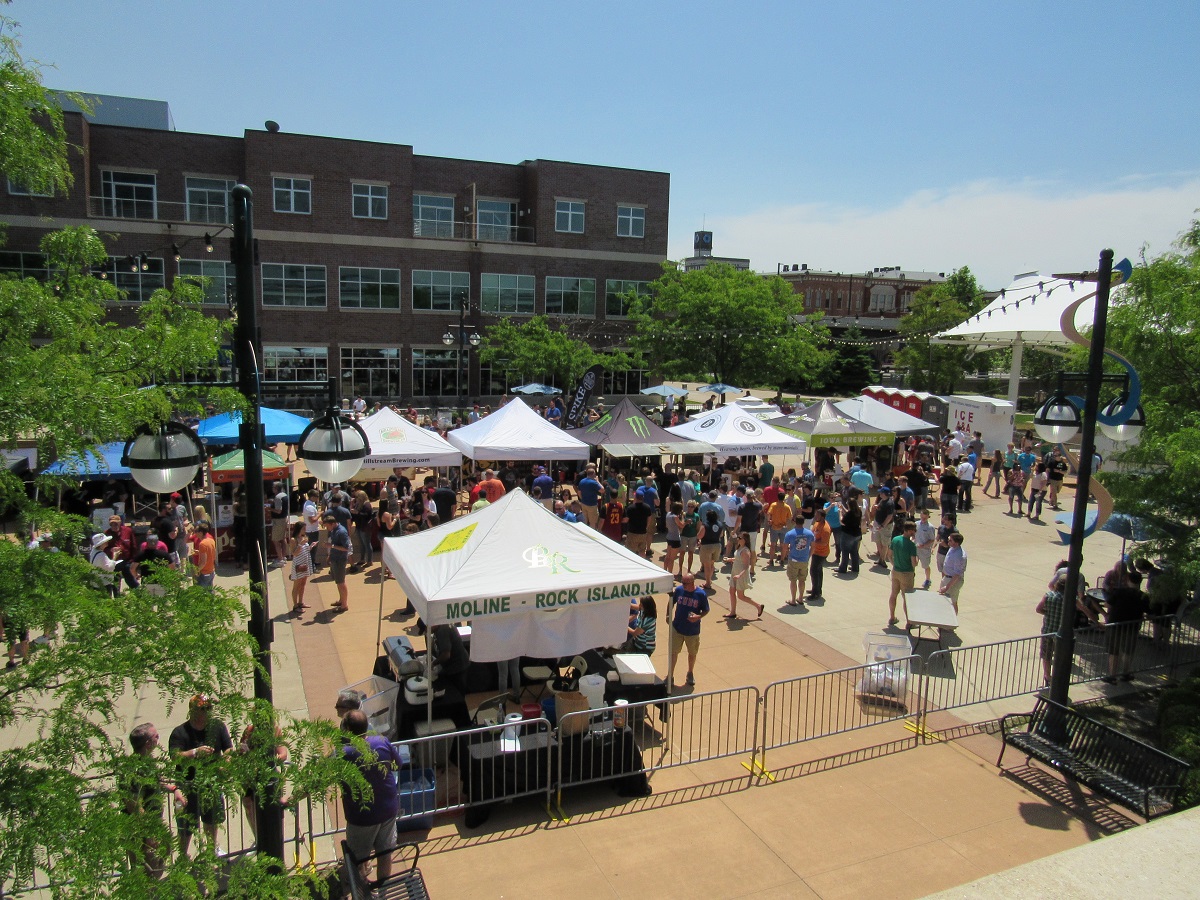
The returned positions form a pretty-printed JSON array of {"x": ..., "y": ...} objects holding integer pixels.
[{"x": 634, "y": 668}]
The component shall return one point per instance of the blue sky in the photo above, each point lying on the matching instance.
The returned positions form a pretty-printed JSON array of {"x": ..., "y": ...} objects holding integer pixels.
[{"x": 1003, "y": 136}]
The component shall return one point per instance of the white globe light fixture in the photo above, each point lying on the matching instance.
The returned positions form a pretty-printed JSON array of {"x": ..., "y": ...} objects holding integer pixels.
[
  {"x": 165, "y": 459},
  {"x": 474, "y": 340},
  {"x": 448, "y": 339},
  {"x": 1129, "y": 430},
  {"x": 333, "y": 447},
  {"x": 1058, "y": 420}
]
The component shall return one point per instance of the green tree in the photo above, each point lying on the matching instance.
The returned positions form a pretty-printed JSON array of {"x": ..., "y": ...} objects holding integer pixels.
[
  {"x": 852, "y": 366},
  {"x": 75, "y": 379},
  {"x": 937, "y": 367},
  {"x": 727, "y": 325},
  {"x": 33, "y": 141},
  {"x": 1153, "y": 321},
  {"x": 537, "y": 349}
]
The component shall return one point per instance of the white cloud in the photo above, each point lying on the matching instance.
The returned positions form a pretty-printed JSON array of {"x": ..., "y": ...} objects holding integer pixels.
[{"x": 998, "y": 230}]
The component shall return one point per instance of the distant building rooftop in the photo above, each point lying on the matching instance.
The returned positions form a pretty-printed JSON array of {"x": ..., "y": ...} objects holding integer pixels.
[{"x": 131, "y": 112}]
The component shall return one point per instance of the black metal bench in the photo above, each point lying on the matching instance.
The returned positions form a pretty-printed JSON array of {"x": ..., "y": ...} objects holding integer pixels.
[
  {"x": 401, "y": 885},
  {"x": 1122, "y": 768}
]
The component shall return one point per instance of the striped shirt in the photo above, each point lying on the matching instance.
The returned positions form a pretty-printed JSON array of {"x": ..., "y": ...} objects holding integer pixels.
[{"x": 645, "y": 642}]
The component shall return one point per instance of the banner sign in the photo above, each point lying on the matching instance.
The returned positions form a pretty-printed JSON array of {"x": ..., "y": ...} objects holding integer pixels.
[{"x": 577, "y": 411}]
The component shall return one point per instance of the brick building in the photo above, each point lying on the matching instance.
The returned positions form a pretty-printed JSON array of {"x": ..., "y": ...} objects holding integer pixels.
[
  {"x": 369, "y": 255},
  {"x": 874, "y": 300}
]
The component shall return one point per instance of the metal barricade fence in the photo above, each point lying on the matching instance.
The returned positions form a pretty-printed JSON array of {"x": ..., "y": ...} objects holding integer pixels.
[
  {"x": 964, "y": 676},
  {"x": 475, "y": 767},
  {"x": 623, "y": 741},
  {"x": 827, "y": 703}
]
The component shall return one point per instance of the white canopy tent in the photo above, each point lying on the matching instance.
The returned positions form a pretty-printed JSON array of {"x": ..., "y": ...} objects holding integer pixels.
[
  {"x": 884, "y": 417},
  {"x": 395, "y": 441},
  {"x": 530, "y": 583},
  {"x": 515, "y": 432},
  {"x": 1027, "y": 312},
  {"x": 734, "y": 431}
]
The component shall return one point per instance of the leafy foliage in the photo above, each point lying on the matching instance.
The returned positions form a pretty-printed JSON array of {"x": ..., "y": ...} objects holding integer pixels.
[
  {"x": 852, "y": 367},
  {"x": 727, "y": 325},
  {"x": 1153, "y": 321},
  {"x": 536, "y": 348},
  {"x": 936, "y": 307},
  {"x": 33, "y": 141}
]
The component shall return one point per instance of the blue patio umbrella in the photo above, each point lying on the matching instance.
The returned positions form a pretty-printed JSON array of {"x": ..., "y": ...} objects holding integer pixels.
[
  {"x": 102, "y": 462},
  {"x": 664, "y": 390},
  {"x": 281, "y": 427},
  {"x": 535, "y": 388},
  {"x": 719, "y": 388}
]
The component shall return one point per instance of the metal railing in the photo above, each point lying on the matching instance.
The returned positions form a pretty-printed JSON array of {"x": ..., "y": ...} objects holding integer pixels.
[{"x": 827, "y": 703}]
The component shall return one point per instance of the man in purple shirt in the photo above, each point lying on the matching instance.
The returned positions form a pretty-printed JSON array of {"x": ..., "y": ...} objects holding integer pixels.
[{"x": 371, "y": 824}]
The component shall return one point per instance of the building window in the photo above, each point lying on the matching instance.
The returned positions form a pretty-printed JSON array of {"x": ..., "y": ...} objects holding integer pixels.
[
  {"x": 507, "y": 293},
  {"x": 284, "y": 364},
  {"x": 494, "y": 378},
  {"x": 440, "y": 291},
  {"x": 495, "y": 220},
  {"x": 631, "y": 221},
  {"x": 369, "y": 288},
  {"x": 883, "y": 299},
  {"x": 216, "y": 276},
  {"x": 137, "y": 277},
  {"x": 369, "y": 201},
  {"x": 128, "y": 195},
  {"x": 433, "y": 216},
  {"x": 570, "y": 296},
  {"x": 208, "y": 200},
  {"x": 288, "y": 285},
  {"x": 435, "y": 372},
  {"x": 19, "y": 190},
  {"x": 628, "y": 381},
  {"x": 293, "y": 195},
  {"x": 568, "y": 216},
  {"x": 371, "y": 372},
  {"x": 24, "y": 265},
  {"x": 616, "y": 304}
]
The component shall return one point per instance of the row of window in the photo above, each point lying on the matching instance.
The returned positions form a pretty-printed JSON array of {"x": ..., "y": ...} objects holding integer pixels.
[
  {"x": 285, "y": 284},
  {"x": 134, "y": 195},
  {"x": 375, "y": 372}
]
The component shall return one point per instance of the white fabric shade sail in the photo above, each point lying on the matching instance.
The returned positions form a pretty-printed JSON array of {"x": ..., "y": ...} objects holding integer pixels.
[
  {"x": 530, "y": 583},
  {"x": 1028, "y": 310},
  {"x": 516, "y": 432},
  {"x": 395, "y": 441},
  {"x": 733, "y": 430}
]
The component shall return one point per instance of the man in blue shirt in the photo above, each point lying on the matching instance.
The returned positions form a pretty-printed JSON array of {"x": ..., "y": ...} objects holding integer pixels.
[
  {"x": 546, "y": 483},
  {"x": 1026, "y": 460},
  {"x": 339, "y": 552},
  {"x": 589, "y": 490},
  {"x": 861, "y": 479},
  {"x": 710, "y": 503},
  {"x": 691, "y": 605},
  {"x": 799, "y": 542}
]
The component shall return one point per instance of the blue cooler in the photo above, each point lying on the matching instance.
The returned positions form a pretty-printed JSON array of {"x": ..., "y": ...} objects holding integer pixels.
[
  {"x": 548, "y": 712},
  {"x": 418, "y": 799}
]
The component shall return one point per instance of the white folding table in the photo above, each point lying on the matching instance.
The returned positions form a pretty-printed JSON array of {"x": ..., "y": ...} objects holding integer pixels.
[{"x": 929, "y": 609}]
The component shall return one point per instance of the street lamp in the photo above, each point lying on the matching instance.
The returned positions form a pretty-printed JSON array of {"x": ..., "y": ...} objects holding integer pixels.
[
  {"x": 1057, "y": 421},
  {"x": 333, "y": 447},
  {"x": 463, "y": 339},
  {"x": 163, "y": 461}
]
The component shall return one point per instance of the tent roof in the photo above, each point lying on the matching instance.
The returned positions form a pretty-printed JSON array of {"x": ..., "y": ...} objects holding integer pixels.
[
  {"x": 102, "y": 462},
  {"x": 396, "y": 441},
  {"x": 1042, "y": 299},
  {"x": 526, "y": 580},
  {"x": 824, "y": 425},
  {"x": 281, "y": 427},
  {"x": 731, "y": 429},
  {"x": 515, "y": 431},
  {"x": 869, "y": 410},
  {"x": 625, "y": 430}
]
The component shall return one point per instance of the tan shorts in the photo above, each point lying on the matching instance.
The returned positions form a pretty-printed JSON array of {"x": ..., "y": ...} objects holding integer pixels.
[
  {"x": 797, "y": 572},
  {"x": 591, "y": 514},
  {"x": 638, "y": 543},
  {"x": 279, "y": 529},
  {"x": 904, "y": 580},
  {"x": 679, "y": 641},
  {"x": 710, "y": 553}
]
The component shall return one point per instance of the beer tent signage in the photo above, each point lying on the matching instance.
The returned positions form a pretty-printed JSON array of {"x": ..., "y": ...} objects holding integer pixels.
[{"x": 530, "y": 583}]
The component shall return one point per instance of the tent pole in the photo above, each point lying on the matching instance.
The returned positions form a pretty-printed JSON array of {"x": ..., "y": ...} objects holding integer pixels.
[
  {"x": 429, "y": 677},
  {"x": 379, "y": 625},
  {"x": 1014, "y": 374}
]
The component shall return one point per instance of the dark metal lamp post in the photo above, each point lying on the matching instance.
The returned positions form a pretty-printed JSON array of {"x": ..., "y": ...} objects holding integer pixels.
[
  {"x": 464, "y": 369},
  {"x": 169, "y": 459}
]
